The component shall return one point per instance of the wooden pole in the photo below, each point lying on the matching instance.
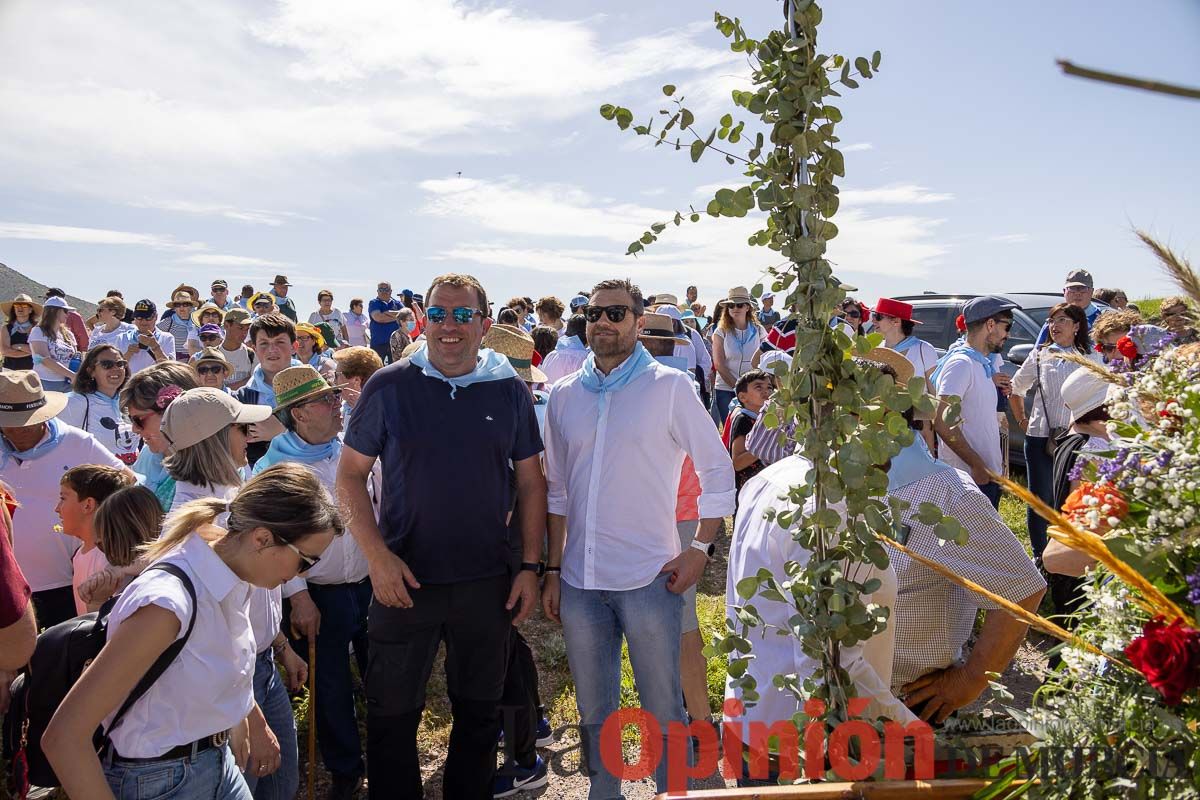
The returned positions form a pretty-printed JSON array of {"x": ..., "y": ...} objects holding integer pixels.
[{"x": 312, "y": 716}]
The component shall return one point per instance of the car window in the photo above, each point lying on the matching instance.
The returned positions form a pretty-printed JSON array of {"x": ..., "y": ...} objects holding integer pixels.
[
  {"x": 937, "y": 323},
  {"x": 1038, "y": 315}
]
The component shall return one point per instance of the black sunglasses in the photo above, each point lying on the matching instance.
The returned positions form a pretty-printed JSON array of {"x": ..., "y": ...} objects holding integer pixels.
[
  {"x": 108, "y": 363},
  {"x": 853, "y": 312},
  {"x": 210, "y": 369},
  {"x": 307, "y": 562},
  {"x": 614, "y": 313}
]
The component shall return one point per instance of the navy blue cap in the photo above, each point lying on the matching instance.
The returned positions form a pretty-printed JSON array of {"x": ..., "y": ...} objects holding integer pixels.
[
  {"x": 407, "y": 292},
  {"x": 989, "y": 305},
  {"x": 145, "y": 309}
]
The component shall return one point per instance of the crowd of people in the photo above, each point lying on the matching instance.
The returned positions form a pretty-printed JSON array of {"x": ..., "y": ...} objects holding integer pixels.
[{"x": 430, "y": 469}]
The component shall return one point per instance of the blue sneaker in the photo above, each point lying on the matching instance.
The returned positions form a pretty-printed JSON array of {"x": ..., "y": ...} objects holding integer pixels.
[
  {"x": 512, "y": 778},
  {"x": 545, "y": 736}
]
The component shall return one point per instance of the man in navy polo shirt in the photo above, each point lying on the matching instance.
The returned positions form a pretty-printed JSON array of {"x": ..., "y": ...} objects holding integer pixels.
[
  {"x": 446, "y": 424},
  {"x": 383, "y": 311}
]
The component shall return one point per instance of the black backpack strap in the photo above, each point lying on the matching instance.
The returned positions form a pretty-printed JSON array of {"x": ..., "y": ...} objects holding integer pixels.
[{"x": 168, "y": 656}]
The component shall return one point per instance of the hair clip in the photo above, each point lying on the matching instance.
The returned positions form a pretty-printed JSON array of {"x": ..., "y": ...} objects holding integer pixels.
[{"x": 166, "y": 396}]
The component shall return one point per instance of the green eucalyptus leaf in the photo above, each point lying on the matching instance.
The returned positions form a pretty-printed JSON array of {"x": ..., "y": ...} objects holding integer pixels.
[{"x": 668, "y": 90}]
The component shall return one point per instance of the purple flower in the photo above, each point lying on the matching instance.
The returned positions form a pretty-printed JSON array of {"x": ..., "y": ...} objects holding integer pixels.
[{"x": 1193, "y": 582}]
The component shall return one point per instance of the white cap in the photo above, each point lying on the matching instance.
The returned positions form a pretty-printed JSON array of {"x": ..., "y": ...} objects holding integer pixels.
[
  {"x": 1084, "y": 391},
  {"x": 770, "y": 357},
  {"x": 670, "y": 311}
]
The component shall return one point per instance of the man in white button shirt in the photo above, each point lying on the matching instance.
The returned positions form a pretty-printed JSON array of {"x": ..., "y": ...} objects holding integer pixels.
[
  {"x": 330, "y": 601},
  {"x": 617, "y": 432}
]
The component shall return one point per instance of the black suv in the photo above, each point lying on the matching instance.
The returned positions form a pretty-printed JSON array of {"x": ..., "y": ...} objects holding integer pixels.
[{"x": 937, "y": 313}]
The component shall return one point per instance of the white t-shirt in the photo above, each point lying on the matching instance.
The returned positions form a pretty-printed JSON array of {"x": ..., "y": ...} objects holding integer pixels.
[
  {"x": 740, "y": 347},
  {"x": 144, "y": 358},
  {"x": 335, "y": 318},
  {"x": 85, "y": 565},
  {"x": 60, "y": 349},
  {"x": 240, "y": 361},
  {"x": 185, "y": 491},
  {"x": 210, "y": 686},
  {"x": 923, "y": 356},
  {"x": 101, "y": 416},
  {"x": 44, "y": 555},
  {"x": 116, "y": 337},
  {"x": 964, "y": 378},
  {"x": 356, "y": 328}
]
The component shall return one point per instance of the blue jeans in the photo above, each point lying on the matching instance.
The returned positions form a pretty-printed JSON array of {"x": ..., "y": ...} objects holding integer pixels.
[
  {"x": 720, "y": 406},
  {"x": 211, "y": 775},
  {"x": 343, "y": 610},
  {"x": 1039, "y": 469},
  {"x": 593, "y": 622},
  {"x": 272, "y": 698}
]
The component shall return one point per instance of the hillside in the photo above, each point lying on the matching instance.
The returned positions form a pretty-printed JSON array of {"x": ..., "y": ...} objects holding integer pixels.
[{"x": 13, "y": 283}]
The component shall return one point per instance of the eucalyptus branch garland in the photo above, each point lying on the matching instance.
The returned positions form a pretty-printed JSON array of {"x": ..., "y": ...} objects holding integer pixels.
[{"x": 847, "y": 421}]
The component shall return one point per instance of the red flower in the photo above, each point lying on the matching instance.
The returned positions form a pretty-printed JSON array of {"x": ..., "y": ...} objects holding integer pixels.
[
  {"x": 1169, "y": 657},
  {"x": 1127, "y": 348}
]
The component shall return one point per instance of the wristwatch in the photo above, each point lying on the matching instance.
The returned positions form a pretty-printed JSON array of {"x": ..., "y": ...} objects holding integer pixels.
[
  {"x": 707, "y": 548},
  {"x": 536, "y": 567}
]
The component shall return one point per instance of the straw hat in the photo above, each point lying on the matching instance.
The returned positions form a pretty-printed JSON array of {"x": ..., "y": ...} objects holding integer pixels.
[
  {"x": 208, "y": 308},
  {"x": 24, "y": 402},
  {"x": 212, "y": 354},
  {"x": 192, "y": 290},
  {"x": 200, "y": 413},
  {"x": 180, "y": 296},
  {"x": 901, "y": 365},
  {"x": 517, "y": 346},
  {"x": 661, "y": 326},
  {"x": 296, "y": 384},
  {"x": 413, "y": 347},
  {"x": 6, "y": 308},
  {"x": 739, "y": 294}
]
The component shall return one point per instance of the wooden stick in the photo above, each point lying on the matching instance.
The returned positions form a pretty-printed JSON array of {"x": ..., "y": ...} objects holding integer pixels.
[
  {"x": 312, "y": 715},
  {"x": 1126, "y": 80}
]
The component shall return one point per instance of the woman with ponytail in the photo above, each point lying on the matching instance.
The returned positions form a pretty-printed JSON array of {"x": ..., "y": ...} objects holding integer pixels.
[
  {"x": 205, "y": 431},
  {"x": 189, "y": 735}
]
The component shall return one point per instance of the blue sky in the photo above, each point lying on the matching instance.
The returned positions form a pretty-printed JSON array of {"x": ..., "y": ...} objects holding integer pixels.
[{"x": 148, "y": 143}]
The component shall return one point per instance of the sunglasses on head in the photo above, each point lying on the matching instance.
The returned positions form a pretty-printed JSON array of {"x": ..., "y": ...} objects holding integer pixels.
[
  {"x": 210, "y": 369},
  {"x": 462, "y": 314},
  {"x": 614, "y": 313},
  {"x": 108, "y": 363}
]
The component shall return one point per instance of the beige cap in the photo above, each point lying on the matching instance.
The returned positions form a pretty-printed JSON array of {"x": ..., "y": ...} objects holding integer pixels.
[{"x": 200, "y": 413}]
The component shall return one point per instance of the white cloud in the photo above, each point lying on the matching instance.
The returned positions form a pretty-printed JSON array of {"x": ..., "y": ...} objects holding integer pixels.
[
  {"x": 253, "y": 216},
  {"x": 223, "y": 260},
  {"x": 1009, "y": 238},
  {"x": 73, "y": 235},
  {"x": 537, "y": 227},
  {"x": 894, "y": 194},
  {"x": 857, "y": 147},
  {"x": 224, "y": 100}
]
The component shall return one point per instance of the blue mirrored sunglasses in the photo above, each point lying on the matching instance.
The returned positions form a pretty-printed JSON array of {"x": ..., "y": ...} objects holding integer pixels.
[{"x": 462, "y": 314}]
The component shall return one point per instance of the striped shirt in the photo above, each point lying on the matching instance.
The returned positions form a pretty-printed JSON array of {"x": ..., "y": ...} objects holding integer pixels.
[
  {"x": 933, "y": 616},
  {"x": 1047, "y": 409},
  {"x": 179, "y": 329}
]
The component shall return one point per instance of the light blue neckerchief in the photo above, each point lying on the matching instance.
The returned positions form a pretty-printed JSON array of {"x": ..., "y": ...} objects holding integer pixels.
[
  {"x": 961, "y": 346},
  {"x": 570, "y": 343},
  {"x": 638, "y": 362},
  {"x": 289, "y": 447},
  {"x": 149, "y": 467},
  {"x": 55, "y": 433},
  {"x": 489, "y": 366},
  {"x": 906, "y": 345},
  {"x": 912, "y": 464},
  {"x": 745, "y": 412},
  {"x": 258, "y": 382}
]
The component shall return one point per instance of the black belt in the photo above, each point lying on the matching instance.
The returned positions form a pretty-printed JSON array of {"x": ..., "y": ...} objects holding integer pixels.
[{"x": 181, "y": 751}]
